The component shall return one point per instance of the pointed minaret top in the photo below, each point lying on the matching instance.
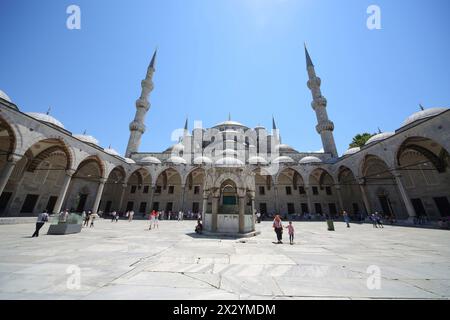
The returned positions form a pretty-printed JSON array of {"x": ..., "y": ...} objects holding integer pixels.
[
  {"x": 379, "y": 130},
  {"x": 229, "y": 116},
  {"x": 186, "y": 124},
  {"x": 421, "y": 107},
  {"x": 309, "y": 62},
  {"x": 274, "y": 126},
  {"x": 153, "y": 62},
  {"x": 48, "y": 110}
]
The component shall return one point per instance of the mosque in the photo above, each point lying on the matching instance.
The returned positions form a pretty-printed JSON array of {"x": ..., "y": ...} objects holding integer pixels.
[{"x": 226, "y": 172}]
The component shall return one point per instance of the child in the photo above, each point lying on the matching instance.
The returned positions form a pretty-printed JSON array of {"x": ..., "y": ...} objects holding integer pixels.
[{"x": 291, "y": 230}]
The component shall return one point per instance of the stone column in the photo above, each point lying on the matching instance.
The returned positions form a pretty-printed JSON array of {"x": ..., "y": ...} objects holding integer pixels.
[
  {"x": 241, "y": 214},
  {"x": 406, "y": 200},
  {"x": 152, "y": 196},
  {"x": 215, "y": 210},
  {"x": 63, "y": 191},
  {"x": 205, "y": 204},
  {"x": 252, "y": 198},
  {"x": 183, "y": 191},
  {"x": 309, "y": 198},
  {"x": 98, "y": 197},
  {"x": 339, "y": 194},
  {"x": 364, "y": 196},
  {"x": 277, "y": 207},
  {"x": 7, "y": 170},
  {"x": 122, "y": 195}
]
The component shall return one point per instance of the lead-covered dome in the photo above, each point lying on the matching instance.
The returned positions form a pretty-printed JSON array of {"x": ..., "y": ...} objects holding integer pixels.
[
  {"x": 130, "y": 161},
  {"x": 257, "y": 160},
  {"x": 4, "y": 96},
  {"x": 112, "y": 152},
  {"x": 283, "y": 159},
  {"x": 351, "y": 151},
  {"x": 423, "y": 114},
  {"x": 45, "y": 118},
  {"x": 379, "y": 137},
  {"x": 202, "y": 160},
  {"x": 309, "y": 160},
  {"x": 86, "y": 138},
  {"x": 150, "y": 160},
  {"x": 176, "y": 160},
  {"x": 229, "y": 161}
]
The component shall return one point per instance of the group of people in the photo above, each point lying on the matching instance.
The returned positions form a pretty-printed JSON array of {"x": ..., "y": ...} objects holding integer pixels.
[
  {"x": 278, "y": 228},
  {"x": 377, "y": 220}
]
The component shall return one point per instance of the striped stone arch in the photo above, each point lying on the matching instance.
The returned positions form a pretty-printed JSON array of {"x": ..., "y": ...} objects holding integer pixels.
[
  {"x": 14, "y": 132},
  {"x": 94, "y": 159},
  {"x": 140, "y": 176},
  {"x": 58, "y": 146}
]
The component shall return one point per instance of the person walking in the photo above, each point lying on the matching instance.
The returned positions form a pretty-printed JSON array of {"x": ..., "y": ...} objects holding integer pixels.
[
  {"x": 180, "y": 215},
  {"x": 346, "y": 218},
  {"x": 113, "y": 216},
  {"x": 291, "y": 232},
  {"x": 87, "y": 218},
  {"x": 278, "y": 228},
  {"x": 41, "y": 220},
  {"x": 92, "y": 217},
  {"x": 130, "y": 216},
  {"x": 374, "y": 220},
  {"x": 379, "y": 220},
  {"x": 258, "y": 217}
]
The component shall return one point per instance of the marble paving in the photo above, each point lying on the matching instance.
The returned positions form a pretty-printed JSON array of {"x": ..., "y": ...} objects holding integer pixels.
[{"x": 127, "y": 261}]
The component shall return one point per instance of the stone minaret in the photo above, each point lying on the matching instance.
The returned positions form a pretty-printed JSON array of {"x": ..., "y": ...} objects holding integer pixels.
[
  {"x": 324, "y": 127},
  {"x": 137, "y": 126}
]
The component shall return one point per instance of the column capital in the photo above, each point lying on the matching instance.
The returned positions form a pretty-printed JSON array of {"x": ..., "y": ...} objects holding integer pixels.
[
  {"x": 70, "y": 172},
  {"x": 14, "y": 158},
  {"x": 102, "y": 180},
  {"x": 361, "y": 181}
]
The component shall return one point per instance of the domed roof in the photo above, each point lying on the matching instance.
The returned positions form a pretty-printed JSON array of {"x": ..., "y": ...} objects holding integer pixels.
[
  {"x": 229, "y": 161},
  {"x": 86, "y": 138},
  {"x": 284, "y": 147},
  {"x": 283, "y": 159},
  {"x": 379, "y": 137},
  {"x": 130, "y": 161},
  {"x": 351, "y": 151},
  {"x": 176, "y": 160},
  {"x": 229, "y": 152},
  {"x": 257, "y": 160},
  {"x": 309, "y": 159},
  {"x": 45, "y": 118},
  {"x": 4, "y": 96},
  {"x": 260, "y": 128},
  {"x": 229, "y": 123},
  {"x": 151, "y": 160},
  {"x": 202, "y": 160},
  {"x": 112, "y": 152},
  {"x": 178, "y": 147},
  {"x": 423, "y": 115}
]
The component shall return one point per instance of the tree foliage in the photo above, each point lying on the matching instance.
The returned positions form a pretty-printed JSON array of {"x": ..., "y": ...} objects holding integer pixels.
[{"x": 360, "y": 139}]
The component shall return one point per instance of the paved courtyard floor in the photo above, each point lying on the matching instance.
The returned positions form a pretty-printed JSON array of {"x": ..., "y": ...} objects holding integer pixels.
[{"x": 127, "y": 261}]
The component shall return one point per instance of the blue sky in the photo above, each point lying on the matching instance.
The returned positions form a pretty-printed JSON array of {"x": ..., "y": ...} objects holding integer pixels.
[{"x": 240, "y": 56}]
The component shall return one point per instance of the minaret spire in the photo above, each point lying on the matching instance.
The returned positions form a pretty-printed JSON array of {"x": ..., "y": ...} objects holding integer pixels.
[
  {"x": 274, "y": 125},
  {"x": 186, "y": 124},
  {"x": 325, "y": 127},
  {"x": 137, "y": 126}
]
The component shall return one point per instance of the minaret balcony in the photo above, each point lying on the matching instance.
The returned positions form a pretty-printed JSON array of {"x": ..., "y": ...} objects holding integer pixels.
[
  {"x": 319, "y": 102},
  {"x": 325, "y": 126},
  {"x": 136, "y": 126}
]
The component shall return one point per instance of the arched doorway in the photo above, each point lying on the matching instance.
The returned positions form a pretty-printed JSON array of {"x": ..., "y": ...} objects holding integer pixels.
[
  {"x": 265, "y": 192},
  {"x": 168, "y": 191},
  {"x": 323, "y": 193},
  {"x": 424, "y": 168},
  {"x": 351, "y": 194},
  {"x": 292, "y": 195},
  {"x": 138, "y": 192},
  {"x": 193, "y": 199},
  {"x": 113, "y": 192}
]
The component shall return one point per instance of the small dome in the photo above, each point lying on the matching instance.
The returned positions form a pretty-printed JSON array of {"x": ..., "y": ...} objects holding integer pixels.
[
  {"x": 202, "y": 160},
  {"x": 229, "y": 152},
  {"x": 427, "y": 113},
  {"x": 260, "y": 128},
  {"x": 257, "y": 160},
  {"x": 379, "y": 137},
  {"x": 351, "y": 151},
  {"x": 4, "y": 96},
  {"x": 86, "y": 138},
  {"x": 45, "y": 118},
  {"x": 150, "y": 160},
  {"x": 176, "y": 160},
  {"x": 178, "y": 147},
  {"x": 228, "y": 161},
  {"x": 310, "y": 159},
  {"x": 112, "y": 152},
  {"x": 284, "y": 147},
  {"x": 283, "y": 159},
  {"x": 130, "y": 161}
]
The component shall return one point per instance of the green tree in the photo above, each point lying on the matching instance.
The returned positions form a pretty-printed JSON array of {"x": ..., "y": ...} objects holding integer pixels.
[{"x": 360, "y": 139}]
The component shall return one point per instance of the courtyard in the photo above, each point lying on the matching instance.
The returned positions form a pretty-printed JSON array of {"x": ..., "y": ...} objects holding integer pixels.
[{"x": 127, "y": 261}]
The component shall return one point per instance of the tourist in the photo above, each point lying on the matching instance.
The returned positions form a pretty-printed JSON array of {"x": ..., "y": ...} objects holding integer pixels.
[
  {"x": 374, "y": 220},
  {"x": 83, "y": 216},
  {"x": 130, "y": 216},
  {"x": 199, "y": 227},
  {"x": 151, "y": 217},
  {"x": 63, "y": 216},
  {"x": 379, "y": 220},
  {"x": 113, "y": 216},
  {"x": 258, "y": 216},
  {"x": 291, "y": 231},
  {"x": 41, "y": 220},
  {"x": 346, "y": 218},
  {"x": 180, "y": 215},
  {"x": 87, "y": 218},
  {"x": 278, "y": 228},
  {"x": 158, "y": 213},
  {"x": 93, "y": 216}
]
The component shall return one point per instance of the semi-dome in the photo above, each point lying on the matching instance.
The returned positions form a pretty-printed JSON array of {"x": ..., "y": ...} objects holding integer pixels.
[
  {"x": 112, "y": 152},
  {"x": 379, "y": 137},
  {"x": 130, "y": 161},
  {"x": 229, "y": 161},
  {"x": 427, "y": 113},
  {"x": 257, "y": 160},
  {"x": 309, "y": 159},
  {"x": 4, "y": 96},
  {"x": 202, "y": 160},
  {"x": 86, "y": 138},
  {"x": 45, "y": 118},
  {"x": 351, "y": 151},
  {"x": 176, "y": 160},
  {"x": 150, "y": 160},
  {"x": 283, "y": 159}
]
